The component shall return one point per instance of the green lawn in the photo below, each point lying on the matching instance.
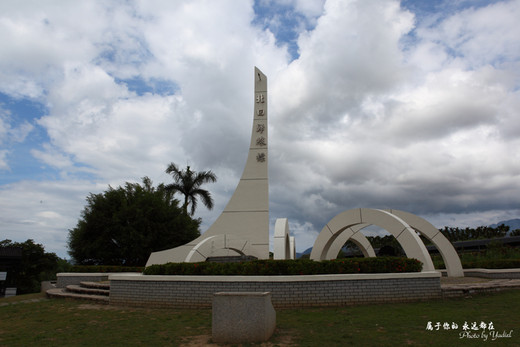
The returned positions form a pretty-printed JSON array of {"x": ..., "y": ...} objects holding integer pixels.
[{"x": 75, "y": 323}]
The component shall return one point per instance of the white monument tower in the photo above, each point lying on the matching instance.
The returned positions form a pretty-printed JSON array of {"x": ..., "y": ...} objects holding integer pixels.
[{"x": 243, "y": 226}]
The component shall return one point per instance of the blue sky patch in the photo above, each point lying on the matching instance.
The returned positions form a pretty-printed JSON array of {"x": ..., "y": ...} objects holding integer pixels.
[
  {"x": 141, "y": 86},
  {"x": 283, "y": 21}
]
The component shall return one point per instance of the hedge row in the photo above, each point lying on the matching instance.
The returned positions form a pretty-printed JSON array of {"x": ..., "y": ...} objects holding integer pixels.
[
  {"x": 492, "y": 264},
  {"x": 290, "y": 267},
  {"x": 105, "y": 268}
]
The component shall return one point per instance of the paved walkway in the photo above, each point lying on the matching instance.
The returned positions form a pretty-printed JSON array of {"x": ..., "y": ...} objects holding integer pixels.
[{"x": 457, "y": 286}]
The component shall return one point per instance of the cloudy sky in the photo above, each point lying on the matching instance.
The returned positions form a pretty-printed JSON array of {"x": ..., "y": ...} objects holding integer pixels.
[{"x": 411, "y": 105}]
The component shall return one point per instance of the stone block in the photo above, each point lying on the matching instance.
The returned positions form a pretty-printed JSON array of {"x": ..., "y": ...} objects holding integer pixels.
[
  {"x": 242, "y": 317},
  {"x": 46, "y": 285}
]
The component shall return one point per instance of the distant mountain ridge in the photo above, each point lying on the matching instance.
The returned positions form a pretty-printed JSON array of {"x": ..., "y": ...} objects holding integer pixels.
[
  {"x": 307, "y": 251},
  {"x": 513, "y": 224}
]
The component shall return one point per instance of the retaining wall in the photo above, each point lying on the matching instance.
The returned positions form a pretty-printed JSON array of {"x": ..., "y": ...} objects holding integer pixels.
[
  {"x": 286, "y": 291},
  {"x": 66, "y": 278},
  {"x": 63, "y": 279},
  {"x": 493, "y": 273},
  {"x": 489, "y": 273}
]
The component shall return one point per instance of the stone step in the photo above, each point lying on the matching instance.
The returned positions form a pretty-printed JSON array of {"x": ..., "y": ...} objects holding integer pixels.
[
  {"x": 98, "y": 285},
  {"x": 64, "y": 293},
  {"x": 80, "y": 289}
]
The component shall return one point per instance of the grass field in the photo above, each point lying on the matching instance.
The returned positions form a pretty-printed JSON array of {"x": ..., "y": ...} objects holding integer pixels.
[{"x": 43, "y": 322}]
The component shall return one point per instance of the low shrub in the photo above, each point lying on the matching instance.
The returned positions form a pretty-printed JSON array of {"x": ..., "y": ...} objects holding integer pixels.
[
  {"x": 492, "y": 264},
  {"x": 290, "y": 267},
  {"x": 105, "y": 268}
]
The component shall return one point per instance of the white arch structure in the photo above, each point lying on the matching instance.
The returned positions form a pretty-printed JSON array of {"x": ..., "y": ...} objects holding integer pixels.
[
  {"x": 216, "y": 245},
  {"x": 283, "y": 243},
  {"x": 447, "y": 251},
  {"x": 402, "y": 225},
  {"x": 352, "y": 235}
]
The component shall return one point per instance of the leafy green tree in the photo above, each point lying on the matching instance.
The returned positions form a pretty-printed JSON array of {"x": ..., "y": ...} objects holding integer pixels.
[
  {"x": 189, "y": 183},
  {"x": 35, "y": 266},
  {"x": 123, "y": 226}
]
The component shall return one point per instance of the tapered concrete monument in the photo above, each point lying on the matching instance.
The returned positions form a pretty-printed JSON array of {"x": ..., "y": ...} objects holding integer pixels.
[{"x": 243, "y": 226}]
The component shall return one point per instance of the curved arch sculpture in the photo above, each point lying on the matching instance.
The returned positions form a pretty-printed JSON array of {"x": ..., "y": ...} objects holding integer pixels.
[
  {"x": 210, "y": 246},
  {"x": 443, "y": 245},
  {"x": 347, "y": 222},
  {"x": 358, "y": 238},
  {"x": 283, "y": 243}
]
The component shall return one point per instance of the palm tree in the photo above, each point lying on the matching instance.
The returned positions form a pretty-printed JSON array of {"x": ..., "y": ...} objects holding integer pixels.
[{"x": 188, "y": 183}]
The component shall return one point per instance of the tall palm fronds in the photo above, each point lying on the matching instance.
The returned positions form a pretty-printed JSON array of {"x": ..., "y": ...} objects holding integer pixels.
[{"x": 188, "y": 183}]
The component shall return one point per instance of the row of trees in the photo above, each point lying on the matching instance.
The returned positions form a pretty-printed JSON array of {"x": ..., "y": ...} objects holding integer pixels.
[
  {"x": 482, "y": 232},
  {"x": 35, "y": 266},
  {"x": 123, "y": 225}
]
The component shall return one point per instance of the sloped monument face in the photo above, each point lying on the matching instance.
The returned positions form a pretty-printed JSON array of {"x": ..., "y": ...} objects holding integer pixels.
[{"x": 243, "y": 226}]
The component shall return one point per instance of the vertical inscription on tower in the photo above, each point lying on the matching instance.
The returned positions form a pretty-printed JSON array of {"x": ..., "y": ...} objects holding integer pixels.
[{"x": 260, "y": 127}]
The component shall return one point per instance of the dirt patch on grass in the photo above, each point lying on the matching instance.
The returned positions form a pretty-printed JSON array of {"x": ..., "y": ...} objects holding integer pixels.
[
  {"x": 282, "y": 339},
  {"x": 97, "y": 307},
  {"x": 104, "y": 307}
]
